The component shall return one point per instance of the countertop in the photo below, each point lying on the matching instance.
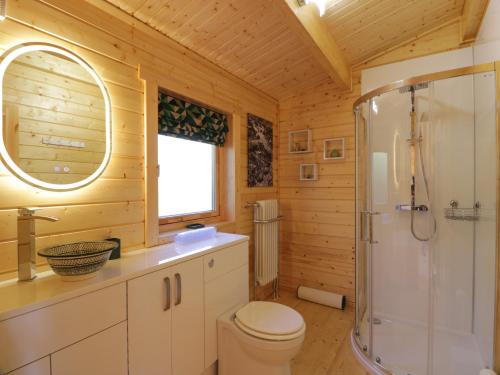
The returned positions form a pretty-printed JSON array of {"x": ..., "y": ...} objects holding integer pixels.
[{"x": 17, "y": 298}]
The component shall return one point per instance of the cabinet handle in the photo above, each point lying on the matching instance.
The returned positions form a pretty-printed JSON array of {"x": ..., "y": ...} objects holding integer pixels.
[
  {"x": 178, "y": 284},
  {"x": 211, "y": 263},
  {"x": 166, "y": 281}
]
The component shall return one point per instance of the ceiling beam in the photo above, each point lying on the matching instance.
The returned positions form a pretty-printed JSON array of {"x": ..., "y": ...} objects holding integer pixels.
[
  {"x": 472, "y": 16},
  {"x": 308, "y": 25}
]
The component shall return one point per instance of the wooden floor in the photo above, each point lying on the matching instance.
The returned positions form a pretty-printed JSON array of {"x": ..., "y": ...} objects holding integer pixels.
[{"x": 327, "y": 348}]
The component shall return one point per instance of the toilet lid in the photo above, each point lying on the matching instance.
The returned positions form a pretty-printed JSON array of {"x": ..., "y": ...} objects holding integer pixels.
[{"x": 269, "y": 320}]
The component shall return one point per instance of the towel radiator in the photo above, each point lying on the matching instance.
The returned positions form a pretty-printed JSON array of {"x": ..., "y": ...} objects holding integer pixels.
[{"x": 266, "y": 246}]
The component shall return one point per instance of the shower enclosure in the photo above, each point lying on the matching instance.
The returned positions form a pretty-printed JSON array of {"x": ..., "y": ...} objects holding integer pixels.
[{"x": 426, "y": 208}]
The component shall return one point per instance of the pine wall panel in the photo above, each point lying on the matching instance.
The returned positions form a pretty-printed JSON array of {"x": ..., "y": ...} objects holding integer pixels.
[
  {"x": 113, "y": 206},
  {"x": 317, "y": 233}
]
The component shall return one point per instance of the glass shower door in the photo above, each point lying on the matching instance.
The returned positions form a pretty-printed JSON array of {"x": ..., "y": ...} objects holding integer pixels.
[
  {"x": 463, "y": 150},
  {"x": 451, "y": 134},
  {"x": 400, "y": 264},
  {"x": 426, "y": 271},
  {"x": 362, "y": 324}
]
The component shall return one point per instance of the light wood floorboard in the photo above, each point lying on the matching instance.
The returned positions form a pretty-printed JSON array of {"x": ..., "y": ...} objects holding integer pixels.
[{"x": 326, "y": 349}]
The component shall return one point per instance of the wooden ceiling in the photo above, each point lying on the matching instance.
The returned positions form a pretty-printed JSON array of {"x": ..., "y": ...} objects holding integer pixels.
[
  {"x": 246, "y": 38},
  {"x": 364, "y": 28},
  {"x": 254, "y": 40}
]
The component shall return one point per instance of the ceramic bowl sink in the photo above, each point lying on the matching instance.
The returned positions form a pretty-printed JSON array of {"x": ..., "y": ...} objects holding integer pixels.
[{"x": 80, "y": 260}]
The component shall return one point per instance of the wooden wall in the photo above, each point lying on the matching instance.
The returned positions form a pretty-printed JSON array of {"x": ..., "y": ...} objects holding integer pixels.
[
  {"x": 318, "y": 231},
  {"x": 116, "y": 47},
  {"x": 51, "y": 98}
]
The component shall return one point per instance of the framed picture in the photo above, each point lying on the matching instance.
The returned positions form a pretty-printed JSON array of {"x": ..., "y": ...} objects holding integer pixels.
[
  {"x": 299, "y": 142},
  {"x": 308, "y": 172},
  {"x": 260, "y": 152},
  {"x": 334, "y": 149}
]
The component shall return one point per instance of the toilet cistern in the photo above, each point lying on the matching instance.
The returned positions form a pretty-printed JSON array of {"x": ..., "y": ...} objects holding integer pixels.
[{"x": 26, "y": 251}]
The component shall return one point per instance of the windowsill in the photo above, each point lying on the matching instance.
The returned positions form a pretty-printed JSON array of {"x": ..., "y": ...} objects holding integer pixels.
[{"x": 169, "y": 236}]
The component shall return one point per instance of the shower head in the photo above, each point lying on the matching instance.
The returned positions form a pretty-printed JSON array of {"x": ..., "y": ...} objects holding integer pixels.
[{"x": 416, "y": 87}]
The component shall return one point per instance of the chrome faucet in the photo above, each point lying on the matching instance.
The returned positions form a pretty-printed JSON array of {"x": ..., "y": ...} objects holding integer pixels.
[{"x": 26, "y": 251}]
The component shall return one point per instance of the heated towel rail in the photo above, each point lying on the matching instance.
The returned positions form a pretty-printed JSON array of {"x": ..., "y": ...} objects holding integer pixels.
[{"x": 266, "y": 249}]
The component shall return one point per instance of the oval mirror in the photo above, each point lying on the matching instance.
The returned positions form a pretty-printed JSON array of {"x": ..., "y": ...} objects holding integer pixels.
[{"x": 56, "y": 117}]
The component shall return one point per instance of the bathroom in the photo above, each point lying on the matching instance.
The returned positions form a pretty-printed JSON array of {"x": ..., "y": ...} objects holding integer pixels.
[{"x": 240, "y": 187}]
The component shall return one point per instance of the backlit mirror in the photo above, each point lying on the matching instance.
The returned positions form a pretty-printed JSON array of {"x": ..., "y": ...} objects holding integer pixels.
[{"x": 56, "y": 117}]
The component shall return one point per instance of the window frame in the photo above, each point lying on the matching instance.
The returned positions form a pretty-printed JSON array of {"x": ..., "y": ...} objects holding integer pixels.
[
  {"x": 229, "y": 174},
  {"x": 168, "y": 223}
]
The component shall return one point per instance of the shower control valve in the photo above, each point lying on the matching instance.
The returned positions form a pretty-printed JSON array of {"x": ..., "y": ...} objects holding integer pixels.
[{"x": 409, "y": 207}]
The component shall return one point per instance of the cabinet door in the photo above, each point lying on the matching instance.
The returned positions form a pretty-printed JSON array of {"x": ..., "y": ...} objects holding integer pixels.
[
  {"x": 28, "y": 337},
  {"x": 150, "y": 306},
  {"x": 222, "y": 294},
  {"x": 187, "y": 318},
  {"x": 102, "y": 354},
  {"x": 40, "y": 367}
]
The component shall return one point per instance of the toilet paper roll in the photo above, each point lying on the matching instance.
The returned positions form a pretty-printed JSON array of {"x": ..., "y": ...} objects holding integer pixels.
[
  {"x": 487, "y": 371},
  {"x": 324, "y": 298}
]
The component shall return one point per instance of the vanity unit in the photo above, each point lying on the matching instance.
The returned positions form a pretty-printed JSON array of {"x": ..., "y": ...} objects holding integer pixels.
[{"x": 151, "y": 312}]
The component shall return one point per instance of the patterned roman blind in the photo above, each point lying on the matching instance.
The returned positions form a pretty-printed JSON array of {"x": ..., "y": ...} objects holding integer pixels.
[{"x": 182, "y": 119}]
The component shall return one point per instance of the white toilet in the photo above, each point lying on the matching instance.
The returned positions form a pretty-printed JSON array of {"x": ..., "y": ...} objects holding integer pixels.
[{"x": 259, "y": 338}]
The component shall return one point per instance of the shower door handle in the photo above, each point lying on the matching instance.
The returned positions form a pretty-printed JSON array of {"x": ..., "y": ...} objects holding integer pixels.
[
  {"x": 366, "y": 224},
  {"x": 370, "y": 230},
  {"x": 363, "y": 224}
]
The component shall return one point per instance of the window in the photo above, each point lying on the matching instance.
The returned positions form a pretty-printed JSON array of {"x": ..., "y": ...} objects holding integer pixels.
[
  {"x": 192, "y": 162},
  {"x": 187, "y": 182}
]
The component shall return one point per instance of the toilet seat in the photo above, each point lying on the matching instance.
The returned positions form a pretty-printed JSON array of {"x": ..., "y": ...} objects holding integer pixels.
[{"x": 270, "y": 321}]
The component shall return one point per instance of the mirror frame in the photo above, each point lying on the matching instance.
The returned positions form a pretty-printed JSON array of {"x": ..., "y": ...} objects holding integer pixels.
[{"x": 6, "y": 59}]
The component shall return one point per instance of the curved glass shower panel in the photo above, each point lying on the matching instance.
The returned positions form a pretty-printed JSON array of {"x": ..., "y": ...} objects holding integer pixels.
[
  {"x": 400, "y": 263},
  {"x": 451, "y": 160},
  {"x": 363, "y": 201},
  {"x": 485, "y": 228},
  {"x": 426, "y": 226}
]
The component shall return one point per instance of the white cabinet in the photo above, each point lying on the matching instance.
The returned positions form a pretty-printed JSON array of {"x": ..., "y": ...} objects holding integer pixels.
[
  {"x": 150, "y": 324},
  {"x": 161, "y": 323},
  {"x": 102, "y": 354},
  {"x": 34, "y": 335},
  {"x": 226, "y": 286},
  {"x": 187, "y": 318},
  {"x": 40, "y": 367},
  {"x": 165, "y": 315},
  {"x": 224, "y": 261}
]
